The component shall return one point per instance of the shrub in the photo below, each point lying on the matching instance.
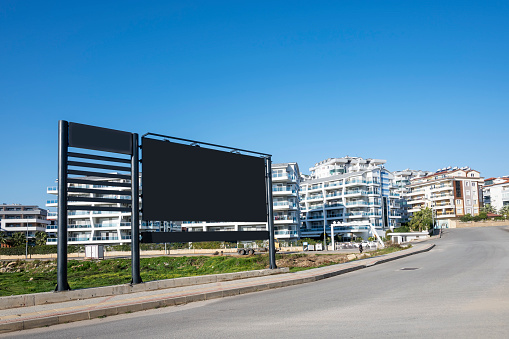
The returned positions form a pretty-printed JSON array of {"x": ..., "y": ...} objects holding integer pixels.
[{"x": 466, "y": 217}]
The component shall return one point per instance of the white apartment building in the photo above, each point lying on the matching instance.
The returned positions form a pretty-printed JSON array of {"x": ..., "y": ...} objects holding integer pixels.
[
  {"x": 22, "y": 218},
  {"x": 354, "y": 191},
  {"x": 400, "y": 183},
  {"x": 285, "y": 195},
  {"x": 449, "y": 192},
  {"x": 496, "y": 192},
  {"x": 97, "y": 227}
]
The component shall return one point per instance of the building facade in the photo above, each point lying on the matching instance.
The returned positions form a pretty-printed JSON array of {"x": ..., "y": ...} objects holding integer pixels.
[
  {"x": 450, "y": 192},
  {"x": 354, "y": 192},
  {"x": 23, "y": 218},
  {"x": 97, "y": 227},
  {"x": 496, "y": 192},
  {"x": 400, "y": 182}
]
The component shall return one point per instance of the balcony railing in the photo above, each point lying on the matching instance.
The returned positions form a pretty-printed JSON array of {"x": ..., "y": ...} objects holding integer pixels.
[
  {"x": 105, "y": 238},
  {"x": 79, "y": 226},
  {"x": 314, "y": 197}
]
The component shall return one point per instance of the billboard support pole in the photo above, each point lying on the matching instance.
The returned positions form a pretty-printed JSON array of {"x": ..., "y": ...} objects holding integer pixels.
[
  {"x": 63, "y": 142},
  {"x": 270, "y": 213},
  {"x": 135, "y": 213}
]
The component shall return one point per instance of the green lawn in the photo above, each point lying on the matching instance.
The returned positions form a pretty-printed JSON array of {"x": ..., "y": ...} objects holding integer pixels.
[{"x": 41, "y": 276}]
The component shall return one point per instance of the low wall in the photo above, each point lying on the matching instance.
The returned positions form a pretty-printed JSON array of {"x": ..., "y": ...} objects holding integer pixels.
[
  {"x": 487, "y": 223},
  {"x": 142, "y": 253}
]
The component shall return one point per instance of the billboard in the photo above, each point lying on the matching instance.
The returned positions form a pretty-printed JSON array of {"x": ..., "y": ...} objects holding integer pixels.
[{"x": 191, "y": 183}]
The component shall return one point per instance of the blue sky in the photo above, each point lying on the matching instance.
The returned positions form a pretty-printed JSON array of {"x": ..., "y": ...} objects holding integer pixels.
[{"x": 423, "y": 84}]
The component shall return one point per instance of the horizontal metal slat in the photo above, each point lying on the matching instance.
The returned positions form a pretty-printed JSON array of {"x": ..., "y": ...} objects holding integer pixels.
[
  {"x": 101, "y": 166},
  {"x": 162, "y": 237},
  {"x": 97, "y": 157},
  {"x": 107, "y": 200},
  {"x": 98, "y": 208},
  {"x": 95, "y": 182},
  {"x": 97, "y": 191},
  {"x": 99, "y": 175}
]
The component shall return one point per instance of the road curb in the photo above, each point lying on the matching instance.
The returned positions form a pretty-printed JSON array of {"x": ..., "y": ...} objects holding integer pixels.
[{"x": 165, "y": 301}]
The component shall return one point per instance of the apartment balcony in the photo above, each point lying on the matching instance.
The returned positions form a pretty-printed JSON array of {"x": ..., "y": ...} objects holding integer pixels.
[
  {"x": 314, "y": 217},
  {"x": 417, "y": 201},
  {"x": 279, "y": 177},
  {"x": 357, "y": 203},
  {"x": 332, "y": 186},
  {"x": 283, "y": 191},
  {"x": 351, "y": 183},
  {"x": 353, "y": 193},
  {"x": 442, "y": 188},
  {"x": 356, "y": 214},
  {"x": 446, "y": 215},
  {"x": 283, "y": 205},
  {"x": 314, "y": 207},
  {"x": 441, "y": 206},
  {"x": 314, "y": 188},
  {"x": 416, "y": 192},
  {"x": 315, "y": 197},
  {"x": 335, "y": 216},
  {"x": 438, "y": 197},
  {"x": 416, "y": 209},
  {"x": 333, "y": 195},
  {"x": 334, "y": 205},
  {"x": 286, "y": 234},
  {"x": 285, "y": 219}
]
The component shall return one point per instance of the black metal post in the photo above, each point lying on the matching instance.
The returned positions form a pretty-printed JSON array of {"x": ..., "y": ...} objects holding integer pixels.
[
  {"x": 135, "y": 213},
  {"x": 63, "y": 131},
  {"x": 270, "y": 213}
]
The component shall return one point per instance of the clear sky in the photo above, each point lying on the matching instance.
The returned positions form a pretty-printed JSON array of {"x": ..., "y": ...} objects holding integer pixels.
[{"x": 422, "y": 84}]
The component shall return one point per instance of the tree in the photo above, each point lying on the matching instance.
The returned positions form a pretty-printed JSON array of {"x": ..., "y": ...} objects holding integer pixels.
[
  {"x": 422, "y": 220},
  {"x": 488, "y": 209},
  {"x": 18, "y": 239},
  {"x": 40, "y": 238},
  {"x": 4, "y": 239},
  {"x": 504, "y": 211}
]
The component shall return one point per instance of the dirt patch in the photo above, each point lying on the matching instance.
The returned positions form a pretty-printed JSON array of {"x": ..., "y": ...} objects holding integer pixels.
[{"x": 311, "y": 260}]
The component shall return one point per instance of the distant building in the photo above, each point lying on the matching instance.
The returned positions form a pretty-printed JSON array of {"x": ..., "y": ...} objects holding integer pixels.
[
  {"x": 496, "y": 192},
  {"x": 449, "y": 192},
  {"x": 401, "y": 181},
  {"x": 355, "y": 192},
  {"x": 23, "y": 218},
  {"x": 98, "y": 227}
]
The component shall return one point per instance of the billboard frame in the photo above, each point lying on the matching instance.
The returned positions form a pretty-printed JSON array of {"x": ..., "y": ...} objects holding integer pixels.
[{"x": 227, "y": 236}]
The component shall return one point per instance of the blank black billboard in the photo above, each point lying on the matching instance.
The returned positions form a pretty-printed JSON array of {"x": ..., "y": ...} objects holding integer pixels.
[
  {"x": 100, "y": 139},
  {"x": 192, "y": 183}
]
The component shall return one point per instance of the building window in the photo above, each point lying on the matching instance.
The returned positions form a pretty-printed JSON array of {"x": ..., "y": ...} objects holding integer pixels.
[
  {"x": 466, "y": 183},
  {"x": 458, "y": 202},
  {"x": 473, "y": 184},
  {"x": 468, "y": 201},
  {"x": 469, "y": 211}
]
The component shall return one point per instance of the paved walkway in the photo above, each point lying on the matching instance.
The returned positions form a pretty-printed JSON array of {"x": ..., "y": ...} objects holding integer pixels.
[{"x": 21, "y": 318}]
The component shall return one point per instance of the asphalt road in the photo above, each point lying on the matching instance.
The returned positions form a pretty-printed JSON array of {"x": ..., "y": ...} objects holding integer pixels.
[{"x": 458, "y": 289}]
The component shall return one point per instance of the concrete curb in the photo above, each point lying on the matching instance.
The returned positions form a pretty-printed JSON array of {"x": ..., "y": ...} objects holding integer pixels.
[
  {"x": 27, "y": 300},
  {"x": 184, "y": 298}
]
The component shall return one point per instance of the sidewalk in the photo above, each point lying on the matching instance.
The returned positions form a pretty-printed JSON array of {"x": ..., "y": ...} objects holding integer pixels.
[{"x": 21, "y": 318}]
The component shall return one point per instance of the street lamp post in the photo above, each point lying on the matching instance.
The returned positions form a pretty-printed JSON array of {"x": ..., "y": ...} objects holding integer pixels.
[{"x": 26, "y": 244}]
